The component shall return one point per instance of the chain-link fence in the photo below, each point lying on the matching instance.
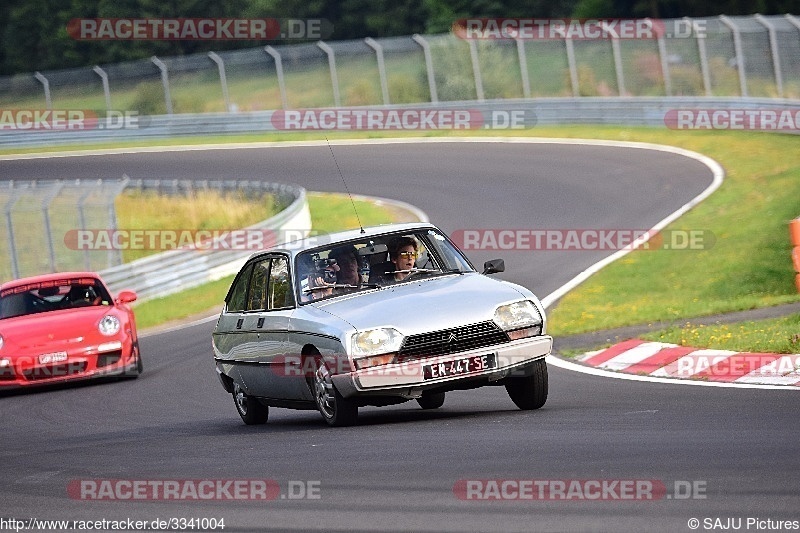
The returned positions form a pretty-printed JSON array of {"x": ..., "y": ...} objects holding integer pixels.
[
  {"x": 725, "y": 56},
  {"x": 43, "y": 221}
]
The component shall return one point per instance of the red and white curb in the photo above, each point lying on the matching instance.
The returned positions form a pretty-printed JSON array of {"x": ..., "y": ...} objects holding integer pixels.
[{"x": 662, "y": 360}]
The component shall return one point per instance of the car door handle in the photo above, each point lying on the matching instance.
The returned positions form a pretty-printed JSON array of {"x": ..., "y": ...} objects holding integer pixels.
[
  {"x": 260, "y": 322},
  {"x": 239, "y": 323}
]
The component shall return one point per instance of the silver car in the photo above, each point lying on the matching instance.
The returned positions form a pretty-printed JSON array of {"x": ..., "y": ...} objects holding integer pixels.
[{"x": 375, "y": 317}]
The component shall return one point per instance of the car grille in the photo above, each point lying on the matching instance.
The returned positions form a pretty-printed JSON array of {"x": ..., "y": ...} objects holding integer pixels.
[
  {"x": 452, "y": 340},
  {"x": 54, "y": 371}
]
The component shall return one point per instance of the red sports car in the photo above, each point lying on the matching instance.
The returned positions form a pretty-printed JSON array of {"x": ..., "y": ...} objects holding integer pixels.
[{"x": 66, "y": 326}]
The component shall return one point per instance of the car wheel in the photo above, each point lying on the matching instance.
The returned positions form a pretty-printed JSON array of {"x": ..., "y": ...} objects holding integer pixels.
[
  {"x": 529, "y": 392},
  {"x": 133, "y": 374},
  {"x": 250, "y": 409},
  {"x": 431, "y": 401},
  {"x": 334, "y": 408},
  {"x": 139, "y": 363}
]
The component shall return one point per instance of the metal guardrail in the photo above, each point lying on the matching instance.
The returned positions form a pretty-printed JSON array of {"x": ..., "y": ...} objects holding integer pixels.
[
  {"x": 633, "y": 111},
  {"x": 177, "y": 270}
]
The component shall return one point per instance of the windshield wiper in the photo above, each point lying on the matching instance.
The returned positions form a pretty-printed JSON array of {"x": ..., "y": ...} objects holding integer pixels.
[
  {"x": 412, "y": 270},
  {"x": 343, "y": 286}
]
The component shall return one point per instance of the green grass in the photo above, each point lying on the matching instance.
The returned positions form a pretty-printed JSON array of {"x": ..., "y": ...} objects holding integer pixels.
[
  {"x": 749, "y": 264},
  {"x": 778, "y": 335},
  {"x": 203, "y": 209},
  {"x": 329, "y": 213}
]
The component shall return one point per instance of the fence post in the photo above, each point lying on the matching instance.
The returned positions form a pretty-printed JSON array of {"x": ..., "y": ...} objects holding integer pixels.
[
  {"x": 375, "y": 45},
  {"x": 12, "y": 247},
  {"x": 332, "y": 65},
  {"x": 662, "y": 55},
  {"x": 106, "y": 90},
  {"x": 737, "y": 48},
  {"x": 523, "y": 67},
  {"x": 112, "y": 217},
  {"x": 82, "y": 220},
  {"x": 46, "y": 201},
  {"x": 617, "y": 53},
  {"x": 773, "y": 48},
  {"x": 476, "y": 70},
  {"x": 426, "y": 50},
  {"x": 164, "y": 81},
  {"x": 276, "y": 56},
  {"x": 46, "y": 85},
  {"x": 223, "y": 80},
  {"x": 703, "y": 53},
  {"x": 573, "y": 68}
]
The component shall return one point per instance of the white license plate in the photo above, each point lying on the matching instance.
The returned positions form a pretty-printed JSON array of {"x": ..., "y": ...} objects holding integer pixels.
[
  {"x": 465, "y": 365},
  {"x": 55, "y": 357}
]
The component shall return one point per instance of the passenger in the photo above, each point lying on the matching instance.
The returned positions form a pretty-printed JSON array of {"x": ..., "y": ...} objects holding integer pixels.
[
  {"x": 347, "y": 259},
  {"x": 312, "y": 279}
]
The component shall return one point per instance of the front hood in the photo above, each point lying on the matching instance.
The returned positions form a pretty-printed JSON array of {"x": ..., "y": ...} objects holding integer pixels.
[
  {"x": 53, "y": 329},
  {"x": 426, "y": 305}
]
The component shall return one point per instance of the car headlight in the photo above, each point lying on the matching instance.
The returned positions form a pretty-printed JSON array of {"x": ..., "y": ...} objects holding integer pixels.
[
  {"x": 4, "y": 362},
  {"x": 1, "y": 342},
  {"x": 519, "y": 319},
  {"x": 109, "y": 325},
  {"x": 381, "y": 343}
]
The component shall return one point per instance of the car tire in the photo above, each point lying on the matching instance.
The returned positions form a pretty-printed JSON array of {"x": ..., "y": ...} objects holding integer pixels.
[
  {"x": 529, "y": 392},
  {"x": 431, "y": 401},
  {"x": 249, "y": 408},
  {"x": 334, "y": 408},
  {"x": 133, "y": 374}
]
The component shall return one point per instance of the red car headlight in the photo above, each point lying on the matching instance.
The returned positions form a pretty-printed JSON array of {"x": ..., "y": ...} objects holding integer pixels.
[
  {"x": 1, "y": 342},
  {"x": 109, "y": 325}
]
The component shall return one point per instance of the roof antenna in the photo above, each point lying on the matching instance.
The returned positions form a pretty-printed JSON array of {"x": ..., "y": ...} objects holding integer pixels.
[{"x": 360, "y": 225}]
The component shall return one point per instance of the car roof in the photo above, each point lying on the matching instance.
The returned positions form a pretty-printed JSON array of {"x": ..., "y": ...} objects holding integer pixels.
[
  {"x": 48, "y": 277},
  {"x": 296, "y": 247}
]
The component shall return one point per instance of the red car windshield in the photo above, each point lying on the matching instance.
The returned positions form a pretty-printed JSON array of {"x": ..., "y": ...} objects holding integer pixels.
[{"x": 41, "y": 297}]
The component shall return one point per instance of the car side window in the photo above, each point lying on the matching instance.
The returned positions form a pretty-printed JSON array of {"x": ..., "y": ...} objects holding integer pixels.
[
  {"x": 257, "y": 299},
  {"x": 280, "y": 285},
  {"x": 237, "y": 296}
]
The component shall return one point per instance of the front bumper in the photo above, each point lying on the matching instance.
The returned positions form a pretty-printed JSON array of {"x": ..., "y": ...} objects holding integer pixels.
[
  {"x": 111, "y": 358},
  {"x": 408, "y": 380}
]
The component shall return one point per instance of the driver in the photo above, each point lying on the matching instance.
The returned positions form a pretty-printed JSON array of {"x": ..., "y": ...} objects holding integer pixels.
[{"x": 403, "y": 253}]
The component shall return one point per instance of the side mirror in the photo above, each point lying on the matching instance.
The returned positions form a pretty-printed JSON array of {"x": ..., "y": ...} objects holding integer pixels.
[
  {"x": 493, "y": 266},
  {"x": 126, "y": 297}
]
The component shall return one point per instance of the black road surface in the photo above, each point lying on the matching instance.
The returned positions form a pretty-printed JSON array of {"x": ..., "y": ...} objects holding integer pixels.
[{"x": 720, "y": 454}]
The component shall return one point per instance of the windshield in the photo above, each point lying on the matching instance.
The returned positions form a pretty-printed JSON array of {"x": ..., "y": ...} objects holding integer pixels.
[
  {"x": 376, "y": 262},
  {"x": 42, "y": 297}
]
